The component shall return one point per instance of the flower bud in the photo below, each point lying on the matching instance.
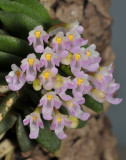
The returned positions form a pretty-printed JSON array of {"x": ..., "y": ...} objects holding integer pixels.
[
  {"x": 98, "y": 93},
  {"x": 74, "y": 121},
  {"x": 68, "y": 59},
  {"x": 36, "y": 85},
  {"x": 59, "y": 82}
]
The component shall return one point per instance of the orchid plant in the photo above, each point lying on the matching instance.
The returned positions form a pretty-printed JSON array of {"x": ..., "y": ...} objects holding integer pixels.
[
  {"x": 63, "y": 68},
  {"x": 65, "y": 47}
]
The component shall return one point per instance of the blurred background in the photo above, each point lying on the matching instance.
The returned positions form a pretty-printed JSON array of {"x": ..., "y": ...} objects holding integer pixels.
[{"x": 117, "y": 114}]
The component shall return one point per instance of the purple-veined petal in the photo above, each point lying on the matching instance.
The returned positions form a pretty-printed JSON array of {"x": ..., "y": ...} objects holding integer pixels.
[
  {"x": 47, "y": 110},
  {"x": 54, "y": 70},
  {"x": 93, "y": 67},
  {"x": 113, "y": 100},
  {"x": 83, "y": 116},
  {"x": 38, "y": 48},
  {"x": 58, "y": 104},
  {"x": 34, "y": 130},
  {"x": 46, "y": 37},
  {"x": 65, "y": 97}
]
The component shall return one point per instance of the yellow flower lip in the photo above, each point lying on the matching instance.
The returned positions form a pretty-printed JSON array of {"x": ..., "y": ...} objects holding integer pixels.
[
  {"x": 48, "y": 56},
  {"x": 31, "y": 61},
  {"x": 58, "y": 39},
  {"x": 88, "y": 53},
  {"x": 71, "y": 104},
  {"x": 18, "y": 73},
  {"x": 46, "y": 74},
  {"x": 59, "y": 119},
  {"x": 49, "y": 97},
  {"x": 77, "y": 57},
  {"x": 37, "y": 34},
  {"x": 71, "y": 37},
  {"x": 100, "y": 77},
  {"x": 34, "y": 118},
  {"x": 79, "y": 81}
]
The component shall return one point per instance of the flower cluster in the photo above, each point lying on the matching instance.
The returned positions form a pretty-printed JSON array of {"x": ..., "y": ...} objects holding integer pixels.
[{"x": 62, "y": 46}]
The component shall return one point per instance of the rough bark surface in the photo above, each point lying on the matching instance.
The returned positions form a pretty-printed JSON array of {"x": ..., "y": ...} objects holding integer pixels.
[{"x": 95, "y": 141}]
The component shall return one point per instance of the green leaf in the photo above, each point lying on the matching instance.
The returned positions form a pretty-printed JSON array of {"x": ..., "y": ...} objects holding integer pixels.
[
  {"x": 2, "y": 32},
  {"x": 86, "y": 46},
  {"x": 7, "y": 104},
  {"x": 81, "y": 124},
  {"x": 48, "y": 139},
  {"x": 2, "y": 78},
  {"x": 63, "y": 110},
  {"x": 14, "y": 46},
  {"x": 6, "y": 60},
  {"x": 69, "y": 92},
  {"x": 93, "y": 104},
  {"x": 38, "y": 8},
  {"x": 21, "y": 108},
  {"x": 25, "y": 143},
  {"x": 17, "y": 23},
  {"x": 55, "y": 21},
  {"x": 10, "y": 6},
  {"x": 7, "y": 123},
  {"x": 31, "y": 93},
  {"x": 66, "y": 69}
]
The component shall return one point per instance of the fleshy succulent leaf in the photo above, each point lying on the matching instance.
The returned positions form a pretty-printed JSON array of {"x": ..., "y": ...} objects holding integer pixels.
[
  {"x": 81, "y": 124},
  {"x": 11, "y": 6},
  {"x": 2, "y": 32},
  {"x": 63, "y": 110},
  {"x": 22, "y": 136},
  {"x": 7, "y": 60},
  {"x": 66, "y": 69},
  {"x": 93, "y": 104},
  {"x": 7, "y": 103},
  {"x": 14, "y": 46},
  {"x": 37, "y": 8},
  {"x": 7, "y": 122},
  {"x": 32, "y": 93},
  {"x": 18, "y": 24},
  {"x": 2, "y": 78}
]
